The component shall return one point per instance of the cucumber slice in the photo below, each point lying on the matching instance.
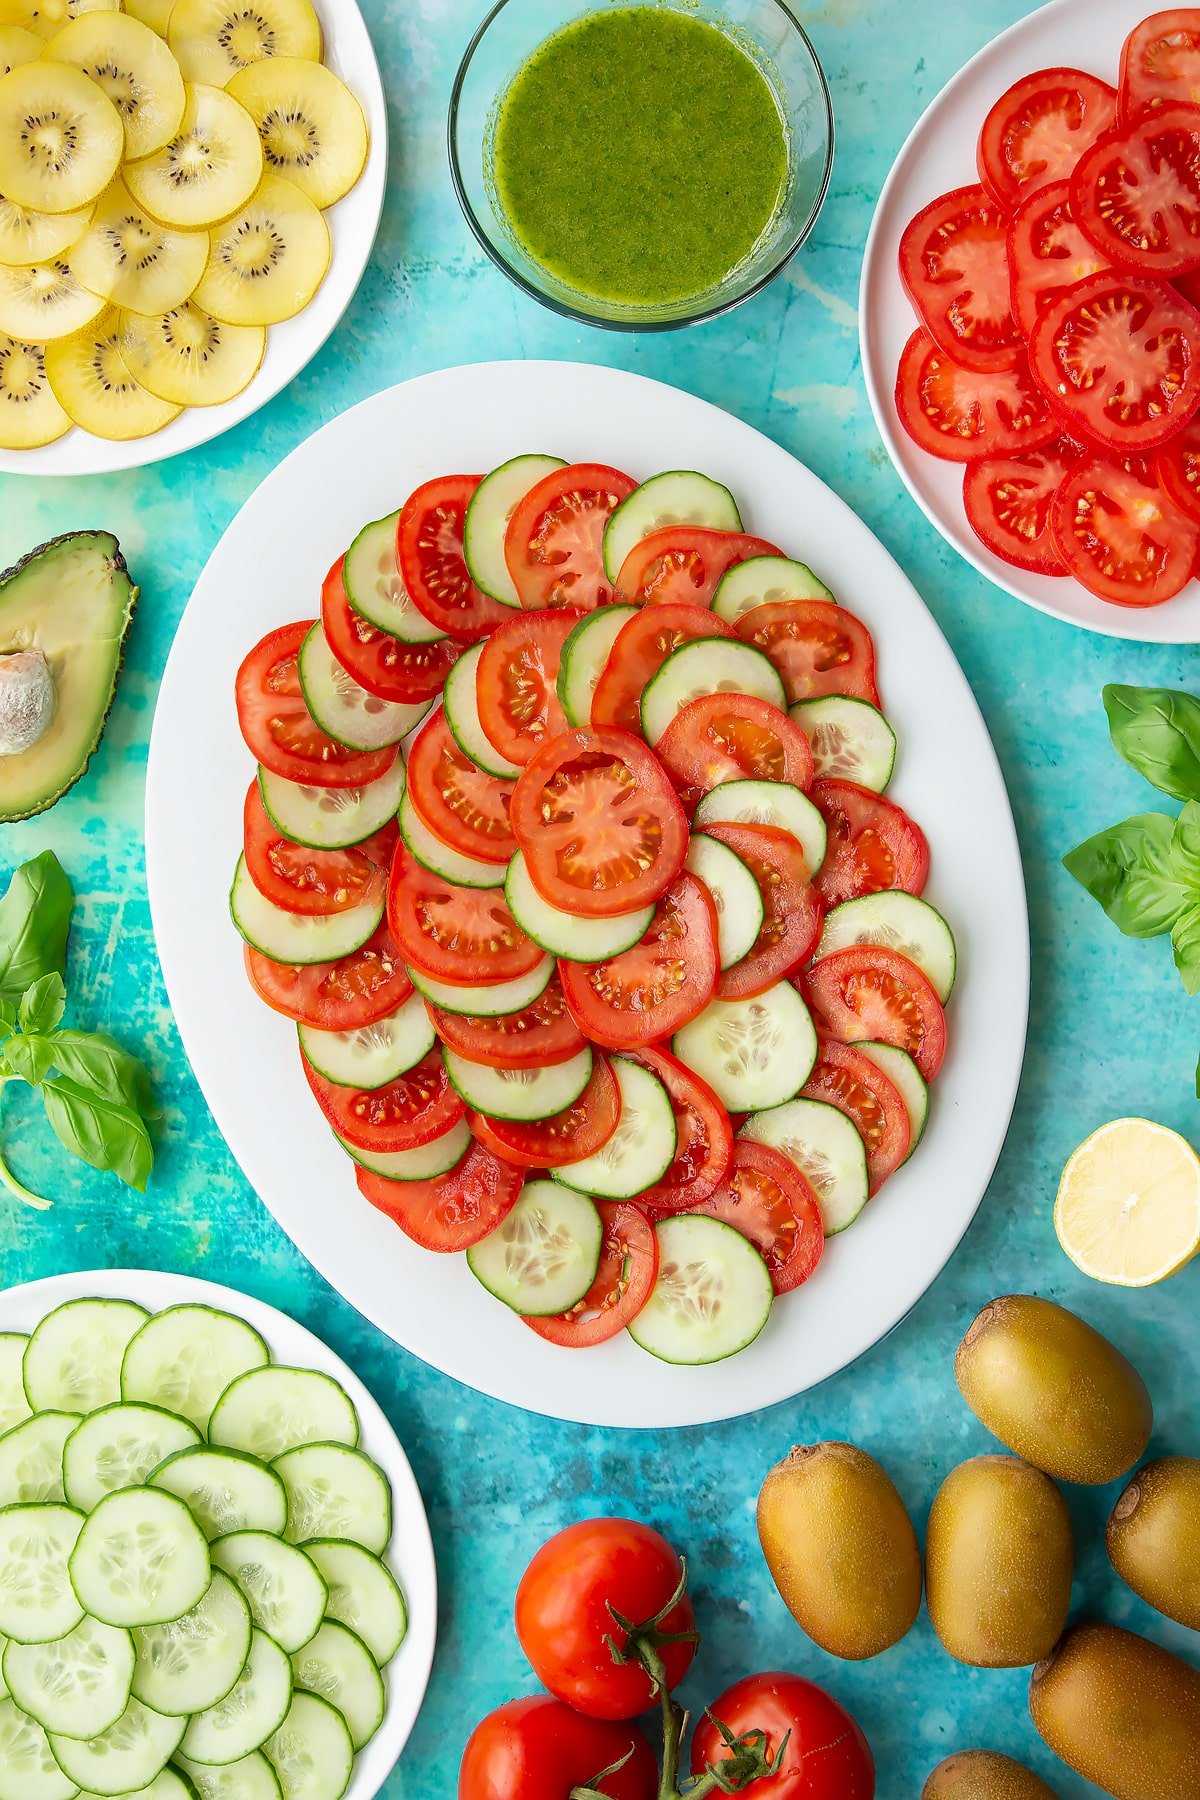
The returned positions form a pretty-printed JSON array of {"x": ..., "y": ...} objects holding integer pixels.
[
  {"x": 775, "y": 803},
  {"x": 519, "y": 1093},
  {"x": 344, "y": 709},
  {"x": 3, "y": 1683},
  {"x": 116, "y": 1447},
  {"x": 561, "y": 933},
  {"x": 334, "y": 1492},
  {"x": 543, "y": 1257},
  {"x": 31, "y": 1459},
  {"x": 640, "y": 1150},
  {"x": 73, "y": 1359},
  {"x": 850, "y": 739},
  {"x": 374, "y": 1054},
  {"x": 491, "y": 507},
  {"x": 140, "y": 1559},
  {"x": 331, "y": 818},
  {"x": 38, "y": 1602},
  {"x": 904, "y": 1075},
  {"x": 76, "y": 1686},
  {"x": 707, "y": 666},
  {"x": 169, "y": 1784},
  {"x": 424, "y": 1163},
  {"x": 224, "y": 1490},
  {"x": 254, "y": 1707},
  {"x": 186, "y": 1356},
  {"x": 312, "y": 1753},
  {"x": 28, "y": 1770},
  {"x": 735, "y": 894},
  {"x": 584, "y": 655},
  {"x": 14, "y": 1405},
  {"x": 362, "y": 1593},
  {"x": 826, "y": 1149},
  {"x": 429, "y": 850},
  {"x": 460, "y": 703},
  {"x": 271, "y": 1410},
  {"x": 187, "y": 1666},
  {"x": 375, "y": 587},
  {"x": 297, "y": 937},
  {"x": 677, "y": 497},
  {"x": 287, "y": 1595},
  {"x": 752, "y": 1053},
  {"x": 250, "y": 1778},
  {"x": 338, "y": 1665},
  {"x": 494, "y": 1002},
  {"x": 126, "y": 1757},
  {"x": 761, "y": 581},
  {"x": 712, "y": 1296},
  {"x": 897, "y": 921}
]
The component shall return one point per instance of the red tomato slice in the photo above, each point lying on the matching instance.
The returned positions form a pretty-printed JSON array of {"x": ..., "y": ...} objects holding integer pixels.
[
  {"x": 453, "y": 1211},
  {"x": 1119, "y": 534},
  {"x": 600, "y": 825},
  {"x": 1136, "y": 192},
  {"x": 767, "y": 1199},
  {"x": 464, "y": 807},
  {"x": 278, "y": 727},
  {"x": 651, "y": 991},
  {"x": 1008, "y": 500},
  {"x": 1038, "y": 130},
  {"x": 429, "y": 549},
  {"x": 866, "y": 994},
  {"x": 554, "y": 546},
  {"x": 792, "y": 911},
  {"x": 1047, "y": 252},
  {"x": 818, "y": 648},
  {"x": 346, "y": 995},
  {"x": 704, "y": 1136},
  {"x": 954, "y": 267},
  {"x": 959, "y": 413},
  {"x": 451, "y": 933},
  {"x": 387, "y": 668},
  {"x": 1160, "y": 63},
  {"x": 543, "y": 1034},
  {"x": 682, "y": 564},
  {"x": 730, "y": 736},
  {"x": 624, "y": 1282},
  {"x": 314, "y": 882},
  {"x": 640, "y": 649},
  {"x": 517, "y": 681},
  {"x": 845, "y": 1078},
  {"x": 566, "y": 1137},
  {"x": 1177, "y": 469},
  {"x": 408, "y": 1112},
  {"x": 872, "y": 846}
]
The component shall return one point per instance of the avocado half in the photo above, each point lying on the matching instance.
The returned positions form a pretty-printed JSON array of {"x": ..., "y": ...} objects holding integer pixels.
[{"x": 72, "y": 599}]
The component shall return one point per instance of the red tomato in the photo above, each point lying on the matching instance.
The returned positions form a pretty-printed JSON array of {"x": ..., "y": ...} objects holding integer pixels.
[
  {"x": 959, "y": 413},
  {"x": 767, "y": 1199},
  {"x": 624, "y": 1281},
  {"x": 639, "y": 651},
  {"x": 1160, "y": 63},
  {"x": 453, "y": 1211},
  {"x": 683, "y": 564},
  {"x": 704, "y": 1136},
  {"x": 408, "y": 1112},
  {"x": 278, "y": 727},
  {"x": 728, "y": 737},
  {"x": 461, "y": 805},
  {"x": 1047, "y": 253},
  {"x": 954, "y": 267},
  {"x": 429, "y": 549},
  {"x": 845, "y": 1078},
  {"x": 1008, "y": 500},
  {"x": 872, "y": 845},
  {"x": 554, "y": 545},
  {"x": 1177, "y": 469},
  {"x": 566, "y": 1137},
  {"x": 827, "y": 1756},
  {"x": 1037, "y": 131},
  {"x": 1119, "y": 534},
  {"x": 538, "y": 1749},
  {"x": 1136, "y": 192},
  {"x": 517, "y": 681},
  {"x": 599, "y": 823},
  {"x": 792, "y": 910},
  {"x": 563, "y": 1617},
  {"x": 455, "y": 933},
  {"x": 542, "y": 1034},
  {"x": 358, "y": 990},
  {"x": 867, "y": 994},
  {"x": 818, "y": 648},
  {"x": 313, "y": 882},
  {"x": 386, "y": 667},
  {"x": 650, "y": 992}
]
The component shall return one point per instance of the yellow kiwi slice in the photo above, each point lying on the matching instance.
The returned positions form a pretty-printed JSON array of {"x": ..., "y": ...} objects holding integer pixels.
[
  {"x": 266, "y": 264},
  {"x": 17, "y": 46},
  {"x": 214, "y": 39},
  {"x": 136, "y": 71},
  {"x": 154, "y": 13},
  {"x": 91, "y": 381},
  {"x": 312, "y": 128},
  {"x": 208, "y": 170},
  {"x": 61, "y": 138},
  {"x": 29, "y": 237},
  {"x": 29, "y": 413},
  {"x": 48, "y": 16},
  {"x": 44, "y": 301},
  {"x": 189, "y": 359},
  {"x": 132, "y": 260}
]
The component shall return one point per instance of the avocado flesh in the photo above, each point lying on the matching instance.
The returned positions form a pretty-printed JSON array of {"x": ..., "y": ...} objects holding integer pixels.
[{"x": 72, "y": 599}]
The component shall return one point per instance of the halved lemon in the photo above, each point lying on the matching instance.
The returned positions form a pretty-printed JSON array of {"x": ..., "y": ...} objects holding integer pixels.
[
  {"x": 48, "y": 16},
  {"x": 208, "y": 170},
  {"x": 189, "y": 359},
  {"x": 312, "y": 128},
  {"x": 213, "y": 39},
  {"x": 92, "y": 383},
  {"x": 1128, "y": 1207},
  {"x": 61, "y": 138},
  {"x": 29, "y": 237},
  {"x": 268, "y": 261},
  {"x": 130, "y": 259},
  {"x": 43, "y": 302},
  {"x": 29, "y": 413},
  {"x": 18, "y": 45},
  {"x": 136, "y": 71}
]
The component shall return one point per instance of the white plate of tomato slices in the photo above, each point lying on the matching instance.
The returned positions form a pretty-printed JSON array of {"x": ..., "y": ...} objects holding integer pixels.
[
  {"x": 439, "y": 1154},
  {"x": 1083, "y": 376}
]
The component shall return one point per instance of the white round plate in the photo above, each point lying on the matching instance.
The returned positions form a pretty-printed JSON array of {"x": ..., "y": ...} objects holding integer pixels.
[
  {"x": 353, "y": 223},
  {"x": 940, "y": 155},
  {"x": 268, "y": 568},
  {"x": 410, "y": 1556}
]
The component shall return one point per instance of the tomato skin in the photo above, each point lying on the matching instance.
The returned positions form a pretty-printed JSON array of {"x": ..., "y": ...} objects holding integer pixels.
[
  {"x": 1160, "y": 62},
  {"x": 538, "y": 1749},
  {"x": 1154, "y": 238},
  {"x": 792, "y": 910},
  {"x": 337, "y": 996},
  {"x": 454, "y": 933},
  {"x": 954, "y": 269},
  {"x": 767, "y": 1199},
  {"x": 1177, "y": 470},
  {"x": 316, "y": 883},
  {"x": 387, "y": 668},
  {"x": 453, "y": 1211},
  {"x": 827, "y": 1756},
  {"x": 541, "y": 1035},
  {"x": 578, "y": 1131},
  {"x": 1120, "y": 536},
  {"x": 278, "y": 728},
  {"x": 405, "y": 1114},
  {"x": 1037, "y": 131},
  {"x": 873, "y": 845},
  {"x": 554, "y": 545},
  {"x": 845, "y": 1078},
  {"x": 726, "y": 737},
  {"x": 517, "y": 681},
  {"x": 1047, "y": 253},
  {"x": 464, "y": 807},
  {"x": 682, "y": 564},
  {"x": 563, "y": 1617},
  {"x": 639, "y": 651},
  {"x": 624, "y": 1281},
  {"x": 650, "y": 992},
  {"x": 869, "y": 994},
  {"x": 429, "y": 550},
  {"x": 704, "y": 1146},
  {"x": 959, "y": 413},
  {"x": 1008, "y": 502},
  {"x": 818, "y": 648}
]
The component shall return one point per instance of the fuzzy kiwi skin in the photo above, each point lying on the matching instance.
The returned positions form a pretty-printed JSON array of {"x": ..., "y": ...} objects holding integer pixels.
[
  {"x": 1054, "y": 1391},
  {"x": 1153, "y": 1537},
  {"x": 841, "y": 1549},
  {"x": 984, "y": 1775}
]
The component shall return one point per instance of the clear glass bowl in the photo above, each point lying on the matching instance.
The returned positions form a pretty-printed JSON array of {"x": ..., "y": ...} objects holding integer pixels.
[{"x": 507, "y": 38}]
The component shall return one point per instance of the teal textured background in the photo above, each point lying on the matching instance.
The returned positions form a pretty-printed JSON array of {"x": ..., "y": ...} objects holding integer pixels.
[{"x": 1111, "y": 1030}]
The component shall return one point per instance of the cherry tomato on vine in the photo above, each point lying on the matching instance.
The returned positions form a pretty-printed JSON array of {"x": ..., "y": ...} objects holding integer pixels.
[
  {"x": 538, "y": 1749},
  {"x": 826, "y": 1757}
]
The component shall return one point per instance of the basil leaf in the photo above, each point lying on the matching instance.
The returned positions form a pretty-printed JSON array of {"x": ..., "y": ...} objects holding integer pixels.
[
  {"x": 100, "y": 1129},
  {"x": 30, "y": 1058},
  {"x": 8, "y": 1014},
  {"x": 35, "y": 917},
  {"x": 1185, "y": 941},
  {"x": 1131, "y": 870},
  {"x": 97, "y": 1060},
  {"x": 43, "y": 1004},
  {"x": 1157, "y": 731}
]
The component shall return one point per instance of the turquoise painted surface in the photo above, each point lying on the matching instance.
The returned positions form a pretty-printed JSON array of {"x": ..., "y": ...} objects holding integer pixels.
[{"x": 1111, "y": 1031}]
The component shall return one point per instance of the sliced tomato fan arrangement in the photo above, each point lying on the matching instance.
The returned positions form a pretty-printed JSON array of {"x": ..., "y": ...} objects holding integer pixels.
[
  {"x": 618, "y": 978},
  {"x": 1058, "y": 349}
]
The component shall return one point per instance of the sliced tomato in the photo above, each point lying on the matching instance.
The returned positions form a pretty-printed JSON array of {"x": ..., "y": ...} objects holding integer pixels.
[
  {"x": 624, "y": 1281},
  {"x": 703, "y": 1136},
  {"x": 278, "y": 727},
  {"x": 554, "y": 545},
  {"x": 872, "y": 844},
  {"x": 682, "y": 564},
  {"x": 868, "y": 994},
  {"x": 1038, "y": 130},
  {"x": 653, "y": 990},
  {"x": 1118, "y": 533},
  {"x": 1008, "y": 500},
  {"x": 358, "y": 990},
  {"x": 600, "y": 825},
  {"x": 959, "y": 413},
  {"x": 640, "y": 649},
  {"x": 517, "y": 681},
  {"x": 314, "y": 882},
  {"x": 1160, "y": 63},
  {"x": 408, "y": 1112},
  {"x": 387, "y": 668},
  {"x": 453, "y": 1211},
  {"x": 845, "y": 1078},
  {"x": 540, "y": 1035},
  {"x": 726, "y": 737},
  {"x": 767, "y": 1199},
  {"x": 1047, "y": 252},
  {"x": 954, "y": 267},
  {"x": 818, "y": 648},
  {"x": 792, "y": 911},
  {"x": 1177, "y": 469},
  {"x": 1136, "y": 192},
  {"x": 465, "y": 935},
  {"x": 566, "y": 1137},
  {"x": 429, "y": 549},
  {"x": 464, "y": 807}
]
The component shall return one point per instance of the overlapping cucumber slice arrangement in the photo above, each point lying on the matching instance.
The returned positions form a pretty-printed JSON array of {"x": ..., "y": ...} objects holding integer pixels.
[
  {"x": 195, "y": 1602},
  {"x": 569, "y": 855}
]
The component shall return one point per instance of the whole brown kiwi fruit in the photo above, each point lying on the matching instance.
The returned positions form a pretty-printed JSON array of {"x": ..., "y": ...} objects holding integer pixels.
[
  {"x": 1054, "y": 1391},
  {"x": 1154, "y": 1537},
  {"x": 841, "y": 1549},
  {"x": 984, "y": 1775},
  {"x": 1121, "y": 1712},
  {"x": 999, "y": 1558}
]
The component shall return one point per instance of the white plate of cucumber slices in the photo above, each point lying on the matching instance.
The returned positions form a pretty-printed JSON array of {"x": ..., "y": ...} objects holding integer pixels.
[{"x": 235, "y": 1593}]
